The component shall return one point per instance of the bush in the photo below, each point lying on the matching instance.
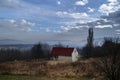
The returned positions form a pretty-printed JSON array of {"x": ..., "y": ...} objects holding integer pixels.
[{"x": 110, "y": 64}]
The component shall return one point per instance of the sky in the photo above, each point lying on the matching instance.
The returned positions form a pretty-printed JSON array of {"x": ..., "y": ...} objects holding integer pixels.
[{"x": 58, "y": 20}]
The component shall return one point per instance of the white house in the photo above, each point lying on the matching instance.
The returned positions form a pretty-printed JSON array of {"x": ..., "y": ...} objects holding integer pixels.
[{"x": 70, "y": 54}]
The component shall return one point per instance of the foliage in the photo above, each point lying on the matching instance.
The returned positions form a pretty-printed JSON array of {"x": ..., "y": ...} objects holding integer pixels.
[
  {"x": 37, "y": 51},
  {"x": 13, "y": 54},
  {"x": 9, "y": 54},
  {"x": 87, "y": 50},
  {"x": 40, "y": 51}
]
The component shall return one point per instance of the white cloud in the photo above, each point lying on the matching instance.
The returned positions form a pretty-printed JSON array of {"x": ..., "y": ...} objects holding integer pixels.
[
  {"x": 81, "y": 2},
  {"x": 118, "y": 30},
  {"x": 47, "y": 30},
  {"x": 110, "y": 7},
  {"x": 112, "y": 1},
  {"x": 113, "y": 18},
  {"x": 16, "y": 25},
  {"x": 76, "y": 24},
  {"x": 72, "y": 15},
  {"x": 78, "y": 15},
  {"x": 118, "y": 33},
  {"x": 62, "y": 29},
  {"x": 26, "y": 10},
  {"x": 12, "y": 21},
  {"x": 91, "y": 9},
  {"x": 116, "y": 24},
  {"x": 58, "y": 2},
  {"x": 56, "y": 31},
  {"x": 62, "y": 14},
  {"x": 103, "y": 26},
  {"x": 104, "y": 8},
  {"x": 11, "y": 3},
  {"x": 27, "y": 23},
  {"x": 65, "y": 29}
]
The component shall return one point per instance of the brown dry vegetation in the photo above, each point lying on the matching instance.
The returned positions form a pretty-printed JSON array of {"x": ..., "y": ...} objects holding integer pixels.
[{"x": 51, "y": 68}]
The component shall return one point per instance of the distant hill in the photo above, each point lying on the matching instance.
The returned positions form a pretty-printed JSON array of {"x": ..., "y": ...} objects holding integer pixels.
[
  {"x": 97, "y": 41},
  {"x": 17, "y": 44},
  {"x": 10, "y": 41}
]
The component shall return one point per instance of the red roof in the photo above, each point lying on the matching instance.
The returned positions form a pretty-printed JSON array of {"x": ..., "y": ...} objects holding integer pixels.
[{"x": 56, "y": 51}]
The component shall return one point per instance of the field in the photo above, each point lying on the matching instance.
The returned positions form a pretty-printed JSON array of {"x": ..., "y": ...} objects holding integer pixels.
[
  {"x": 52, "y": 70},
  {"x": 16, "y": 77}
]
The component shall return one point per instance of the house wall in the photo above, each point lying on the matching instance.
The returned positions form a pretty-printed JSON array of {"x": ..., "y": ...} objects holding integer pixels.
[
  {"x": 75, "y": 55},
  {"x": 64, "y": 58}
]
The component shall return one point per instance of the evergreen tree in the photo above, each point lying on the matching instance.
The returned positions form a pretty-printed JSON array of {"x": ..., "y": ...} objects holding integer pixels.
[
  {"x": 88, "y": 49},
  {"x": 37, "y": 51},
  {"x": 90, "y": 41}
]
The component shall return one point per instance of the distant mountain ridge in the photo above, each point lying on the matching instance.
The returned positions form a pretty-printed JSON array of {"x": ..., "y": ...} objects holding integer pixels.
[
  {"x": 97, "y": 41},
  {"x": 11, "y": 41}
]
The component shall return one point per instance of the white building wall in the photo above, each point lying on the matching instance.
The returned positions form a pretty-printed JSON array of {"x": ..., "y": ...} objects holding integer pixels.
[
  {"x": 75, "y": 55},
  {"x": 65, "y": 58}
]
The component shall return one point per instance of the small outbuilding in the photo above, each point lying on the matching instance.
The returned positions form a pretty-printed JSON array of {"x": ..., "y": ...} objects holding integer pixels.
[{"x": 70, "y": 54}]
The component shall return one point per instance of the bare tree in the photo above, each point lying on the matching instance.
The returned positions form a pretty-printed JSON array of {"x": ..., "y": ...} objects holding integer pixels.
[{"x": 110, "y": 65}]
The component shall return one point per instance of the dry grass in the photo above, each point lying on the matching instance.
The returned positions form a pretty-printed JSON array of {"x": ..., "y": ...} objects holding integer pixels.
[
  {"x": 50, "y": 68},
  {"x": 17, "y": 77}
]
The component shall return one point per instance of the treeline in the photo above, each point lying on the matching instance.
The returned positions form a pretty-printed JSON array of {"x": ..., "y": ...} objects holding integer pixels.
[
  {"x": 110, "y": 46},
  {"x": 42, "y": 51},
  {"x": 38, "y": 51},
  {"x": 108, "y": 57},
  {"x": 109, "y": 64},
  {"x": 9, "y": 54}
]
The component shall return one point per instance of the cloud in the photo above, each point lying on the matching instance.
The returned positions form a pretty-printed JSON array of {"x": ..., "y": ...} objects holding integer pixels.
[
  {"x": 118, "y": 30},
  {"x": 80, "y": 34},
  {"x": 96, "y": 23},
  {"x": 112, "y": 1},
  {"x": 113, "y": 18},
  {"x": 99, "y": 24},
  {"x": 81, "y": 2},
  {"x": 47, "y": 30},
  {"x": 12, "y": 21},
  {"x": 104, "y": 22},
  {"x": 62, "y": 14},
  {"x": 72, "y": 15},
  {"x": 11, "y": 3},
  {"x": 104, "y": 8},
  {"x": 91, "y": 9},
  {"x": 72, "y": 34},
  {"x": 58, "y": 2},
  {"x": 69, "y": 23},
  {"x": 79, "y": 15},
  {"x": 110, "y": 7},
  {"x": 26, "y": 23},
  {"x": 77, "y": 24},
  {"x": 65, "y": 29},
  {"x": 15, "y": 25},
  {"x": 103, "y": 26},
  {"x": 118, "y": 33},
  {"x": 57, "y": 31},
  {"x": 26, "y": 10}
]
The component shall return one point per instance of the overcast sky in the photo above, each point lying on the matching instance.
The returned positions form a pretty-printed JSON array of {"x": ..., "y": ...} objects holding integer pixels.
[{"x": 58, "y": 20}]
